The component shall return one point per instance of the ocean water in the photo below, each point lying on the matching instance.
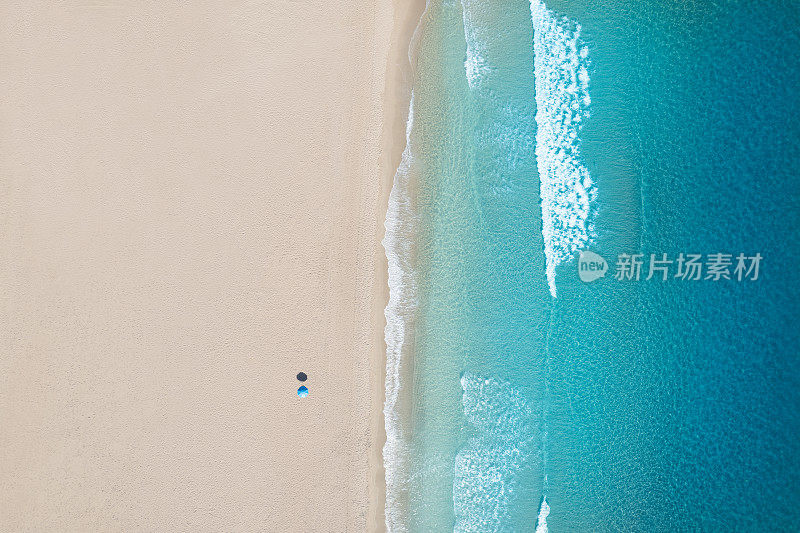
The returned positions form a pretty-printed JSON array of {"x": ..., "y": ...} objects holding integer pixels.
[{"x": 520, "y": 398}]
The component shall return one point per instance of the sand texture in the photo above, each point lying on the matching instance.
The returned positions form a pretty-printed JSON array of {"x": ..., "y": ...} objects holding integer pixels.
[{"x": 191, "y": 205}]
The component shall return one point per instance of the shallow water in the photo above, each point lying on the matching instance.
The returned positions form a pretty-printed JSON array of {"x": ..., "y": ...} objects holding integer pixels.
[{"x": 630, "y": 406}]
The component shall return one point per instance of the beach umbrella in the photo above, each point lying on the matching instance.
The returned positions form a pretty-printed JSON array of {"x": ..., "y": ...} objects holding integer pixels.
[{"x": 302, "y": 391}]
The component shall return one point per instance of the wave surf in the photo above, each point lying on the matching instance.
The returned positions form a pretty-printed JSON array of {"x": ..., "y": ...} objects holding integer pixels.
[{"x": 562, "y": 104}]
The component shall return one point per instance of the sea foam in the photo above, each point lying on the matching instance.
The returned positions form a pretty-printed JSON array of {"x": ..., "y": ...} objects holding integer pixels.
[
  {"x": 562, "y": 104},
  {"x": 476, "y": 66},
  {"x": 541, "y": 520},
  {"x": 487, "y": 469},
  {"x": 398, "y": 241},
  {"x": 505, "y": 127}
]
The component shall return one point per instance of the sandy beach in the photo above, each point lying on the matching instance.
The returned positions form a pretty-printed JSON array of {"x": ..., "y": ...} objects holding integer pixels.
[{"x": 192, "y": 204}]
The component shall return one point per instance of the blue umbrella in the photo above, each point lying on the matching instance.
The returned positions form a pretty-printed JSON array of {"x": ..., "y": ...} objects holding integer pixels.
[{"x": 302, "y": 391}]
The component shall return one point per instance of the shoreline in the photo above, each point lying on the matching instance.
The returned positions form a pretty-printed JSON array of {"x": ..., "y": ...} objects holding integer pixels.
[{"x": 397, "y": 97}]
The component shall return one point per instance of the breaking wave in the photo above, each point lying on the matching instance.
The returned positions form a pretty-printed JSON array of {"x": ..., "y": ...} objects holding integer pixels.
[
  {"x": 562, "y": 104},
  {"x": 397, "y": 242},
  {"x": 476, "y": 65},
  {"x": 541, "y": 520},
  {"x": 505, "y": 134},
  {"x": 487, "y": 468}
]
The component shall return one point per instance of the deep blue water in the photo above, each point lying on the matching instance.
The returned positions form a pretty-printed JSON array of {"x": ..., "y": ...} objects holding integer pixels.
[{"x": 628, "y": 405}]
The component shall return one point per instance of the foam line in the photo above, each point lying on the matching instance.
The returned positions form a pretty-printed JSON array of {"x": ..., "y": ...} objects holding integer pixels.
[
  {"x": 400, "y": 227},
  {"x": 562, "y": 105}
]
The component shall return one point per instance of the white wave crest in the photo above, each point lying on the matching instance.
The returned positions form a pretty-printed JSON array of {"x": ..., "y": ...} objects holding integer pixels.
[
  {"x": 541, "y": 520},
  {"x": 476, "y": 66},
  {"x": 397, "y": 242},
  {"x": 562, "y": 100},
  {"x": 487, "y": 468}
]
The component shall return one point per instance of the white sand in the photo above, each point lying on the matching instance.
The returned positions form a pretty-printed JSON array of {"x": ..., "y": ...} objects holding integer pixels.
[{"x": 191, "y": 204}]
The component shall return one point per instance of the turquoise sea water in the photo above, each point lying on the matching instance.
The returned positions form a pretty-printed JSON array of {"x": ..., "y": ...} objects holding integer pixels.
[{"x": 519, "y": 396}]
